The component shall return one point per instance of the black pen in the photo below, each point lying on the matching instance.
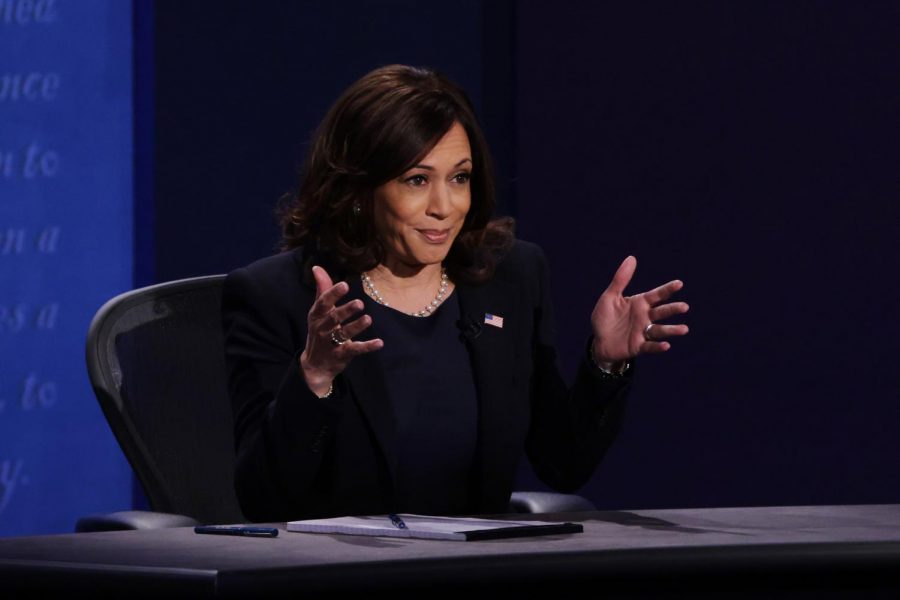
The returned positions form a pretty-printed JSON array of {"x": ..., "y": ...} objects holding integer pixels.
[
  {"x": 237, "y": 530},
  {"x": 397, "y": 521}
]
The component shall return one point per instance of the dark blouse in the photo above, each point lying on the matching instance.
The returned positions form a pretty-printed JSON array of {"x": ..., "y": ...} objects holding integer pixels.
[{"x": 432, "y": 390}]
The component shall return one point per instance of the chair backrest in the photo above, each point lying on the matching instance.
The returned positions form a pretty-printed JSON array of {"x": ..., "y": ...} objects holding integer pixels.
[{"x": 155, "y": 358}]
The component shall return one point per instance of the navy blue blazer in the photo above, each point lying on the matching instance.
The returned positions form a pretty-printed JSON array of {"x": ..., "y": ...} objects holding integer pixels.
[{"x": 299, "y": 456}]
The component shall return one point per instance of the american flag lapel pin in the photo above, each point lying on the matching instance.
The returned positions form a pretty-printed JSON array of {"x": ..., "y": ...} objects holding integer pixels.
[{"x": 493, "y": 320}]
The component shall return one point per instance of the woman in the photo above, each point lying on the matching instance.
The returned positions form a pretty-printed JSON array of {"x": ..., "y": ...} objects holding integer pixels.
[{"x": 416, "y": 381}]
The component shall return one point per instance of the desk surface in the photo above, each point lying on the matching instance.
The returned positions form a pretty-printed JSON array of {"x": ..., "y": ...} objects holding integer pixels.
[{"x": 816, "y": 547}]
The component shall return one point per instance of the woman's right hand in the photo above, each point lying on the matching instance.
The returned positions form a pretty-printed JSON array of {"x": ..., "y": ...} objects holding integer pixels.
[{"x": 323, "y": 359}]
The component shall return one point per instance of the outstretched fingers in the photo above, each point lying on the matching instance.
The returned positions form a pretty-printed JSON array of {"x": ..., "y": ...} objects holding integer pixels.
[
  {"x": 623, "y": 276},
  {"x": 664, "y": 311},
  {"x": 663, "y": 292},
  {"x": 322, "y": 279},
  {"x": 654, "y": 347},
  {"x": 353, "y": 349},
  {"x": 354, "y": 328},
  {"x": 340, "y": 314},
  {"x": 658, "y": 332},
  {"x": 327, "y": 294}
]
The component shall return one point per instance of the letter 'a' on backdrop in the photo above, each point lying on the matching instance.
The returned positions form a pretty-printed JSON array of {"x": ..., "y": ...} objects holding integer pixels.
[{"x": 66, "y": 196}]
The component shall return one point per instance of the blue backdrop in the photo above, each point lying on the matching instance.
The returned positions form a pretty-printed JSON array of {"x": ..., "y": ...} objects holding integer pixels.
[{"x": 65, "y": 248}]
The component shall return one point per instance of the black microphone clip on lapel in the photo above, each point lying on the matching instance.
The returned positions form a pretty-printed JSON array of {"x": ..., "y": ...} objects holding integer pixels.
[{"x": 469, "y": 327}]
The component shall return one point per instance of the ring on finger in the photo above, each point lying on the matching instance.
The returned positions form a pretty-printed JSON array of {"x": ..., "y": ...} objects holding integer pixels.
[
  {"x": 647, "y": 335},
  {"x": 337, "y": 337}
]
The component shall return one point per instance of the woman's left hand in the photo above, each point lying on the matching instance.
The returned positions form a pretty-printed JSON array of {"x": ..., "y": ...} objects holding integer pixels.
[{"x": 625, "y": 326}]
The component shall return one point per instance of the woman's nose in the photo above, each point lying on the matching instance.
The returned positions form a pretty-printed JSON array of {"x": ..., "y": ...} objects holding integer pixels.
[{"x": 439, "y": 202}]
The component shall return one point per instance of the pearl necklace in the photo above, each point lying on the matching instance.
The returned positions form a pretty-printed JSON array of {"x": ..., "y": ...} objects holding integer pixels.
[{"x": 430, "y": 308}]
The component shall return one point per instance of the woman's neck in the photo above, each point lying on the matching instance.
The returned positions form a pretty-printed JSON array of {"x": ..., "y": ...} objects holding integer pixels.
[
  {"x": 400, "y": 277},
  {"x": 408, "y": 288}
]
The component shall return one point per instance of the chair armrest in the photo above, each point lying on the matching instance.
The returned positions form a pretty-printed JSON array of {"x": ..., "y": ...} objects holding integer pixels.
[
  {"x": 132, "y": 519},
  {"x": 548, "y": 502}
]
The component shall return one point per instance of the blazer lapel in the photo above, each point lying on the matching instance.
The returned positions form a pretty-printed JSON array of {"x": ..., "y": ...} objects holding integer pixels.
[
  {"x": 489, "y": 346},
  {"x": 492, "y": 353},
  {"x": 365, "y": 376}
]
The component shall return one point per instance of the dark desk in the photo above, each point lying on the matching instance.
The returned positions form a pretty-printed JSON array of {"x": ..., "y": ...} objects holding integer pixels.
[{"x": 850, "y": 551}]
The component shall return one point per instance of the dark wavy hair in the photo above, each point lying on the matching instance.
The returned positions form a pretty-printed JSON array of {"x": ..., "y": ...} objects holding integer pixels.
[{"x": 380, "y": 127}]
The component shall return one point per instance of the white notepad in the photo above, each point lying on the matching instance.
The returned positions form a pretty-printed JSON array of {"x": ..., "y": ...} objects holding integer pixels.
[{"x": 433, "y": 527}]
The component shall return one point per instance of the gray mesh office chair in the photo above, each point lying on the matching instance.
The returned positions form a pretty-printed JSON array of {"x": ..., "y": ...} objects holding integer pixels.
[{"x": 155, "y": 360}]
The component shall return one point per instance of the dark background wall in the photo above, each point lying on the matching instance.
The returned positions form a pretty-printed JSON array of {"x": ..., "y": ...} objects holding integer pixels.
[
  {"x": 240, "y": 89},
  {"x": 748, "y": 148}
]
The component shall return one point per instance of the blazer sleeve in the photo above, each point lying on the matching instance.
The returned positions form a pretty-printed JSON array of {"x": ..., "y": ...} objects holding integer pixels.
[
  {"x": 280, "y": 426},
  {"x": 571, "y": 426}
]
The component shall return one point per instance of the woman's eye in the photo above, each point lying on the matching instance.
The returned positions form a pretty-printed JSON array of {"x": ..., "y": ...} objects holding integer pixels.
[
  {"x": 463, "y": 177},
  {"x": 417, "y": 180}
]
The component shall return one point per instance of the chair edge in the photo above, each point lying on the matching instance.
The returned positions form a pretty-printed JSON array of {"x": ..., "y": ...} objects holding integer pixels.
[{"x": 139, "y": 458}]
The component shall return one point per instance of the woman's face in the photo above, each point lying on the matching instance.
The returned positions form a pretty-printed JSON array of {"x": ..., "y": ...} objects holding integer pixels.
[{"x": 419, "y": 214}]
